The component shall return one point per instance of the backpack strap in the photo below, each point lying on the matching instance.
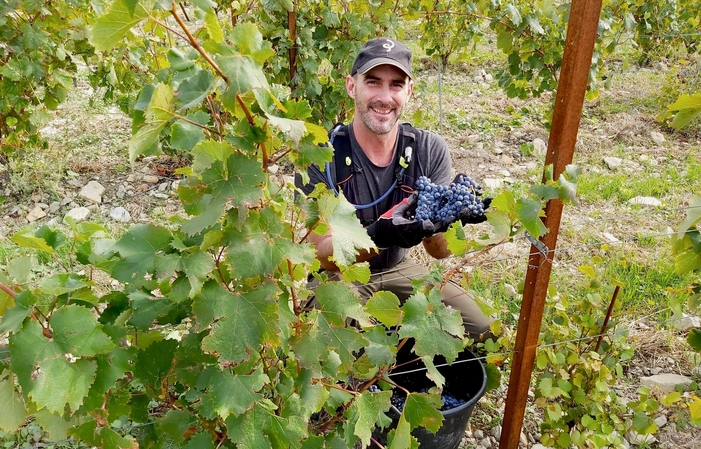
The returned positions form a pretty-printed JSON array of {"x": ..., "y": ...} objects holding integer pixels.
[{"x": 345, "y": 167}]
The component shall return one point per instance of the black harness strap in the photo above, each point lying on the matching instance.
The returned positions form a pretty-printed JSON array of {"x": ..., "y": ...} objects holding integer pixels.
[{"x": 345, "y": 167}]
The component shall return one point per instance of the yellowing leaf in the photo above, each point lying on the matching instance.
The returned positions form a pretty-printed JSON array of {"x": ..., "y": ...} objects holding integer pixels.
[{"x": 116, "y": 22}]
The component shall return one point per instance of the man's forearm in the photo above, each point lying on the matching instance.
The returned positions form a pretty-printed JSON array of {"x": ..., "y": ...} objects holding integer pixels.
[{"x": 437, "y": 246}]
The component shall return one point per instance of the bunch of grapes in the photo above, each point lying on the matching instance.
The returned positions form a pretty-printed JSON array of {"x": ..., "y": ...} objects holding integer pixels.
[
  {"x": 398, "y": 400},
  {"x": 449, "y": 401},
  {"x": 445, "y": 203}
]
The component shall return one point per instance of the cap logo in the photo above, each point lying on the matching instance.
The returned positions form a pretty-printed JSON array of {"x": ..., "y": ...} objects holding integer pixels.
[{"x": 389, "y": 45}]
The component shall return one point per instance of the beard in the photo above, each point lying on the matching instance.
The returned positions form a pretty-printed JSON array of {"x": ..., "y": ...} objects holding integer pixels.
[{"x": 381, "y": 126}]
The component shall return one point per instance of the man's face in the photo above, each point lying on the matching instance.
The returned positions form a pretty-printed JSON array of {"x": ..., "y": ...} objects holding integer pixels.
[{"x": 380, "y": 96}]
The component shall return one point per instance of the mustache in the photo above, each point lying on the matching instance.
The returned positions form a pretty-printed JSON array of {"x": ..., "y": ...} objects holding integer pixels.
[{"x": 381, "y": 105}]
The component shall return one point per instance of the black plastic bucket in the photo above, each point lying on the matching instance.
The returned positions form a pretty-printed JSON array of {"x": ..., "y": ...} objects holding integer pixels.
[{"x": 465, "y": 379}]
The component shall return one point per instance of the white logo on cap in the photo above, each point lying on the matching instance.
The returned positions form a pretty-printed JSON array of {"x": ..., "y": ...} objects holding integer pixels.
[{"x": 389, "y": 45}]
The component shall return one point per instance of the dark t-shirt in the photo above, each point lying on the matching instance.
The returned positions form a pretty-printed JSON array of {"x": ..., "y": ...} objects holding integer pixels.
[{"x": 431, "y": 159}]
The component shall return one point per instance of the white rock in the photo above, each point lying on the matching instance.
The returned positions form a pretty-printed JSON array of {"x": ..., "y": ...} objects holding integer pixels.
[
  {"x": 538, "y": 446},
  {"x": 150, "y": 179},
  {"x": 54, "y": 207},
  {"x": 35, "y": 214},
  {"x": 666, "y": 383},
  {"x": 492, "y": 183},
  {"x": 506, "y": 160},
  {"x": 613, "y": 162},
  {"x": 120, "y": 214},
  {"x": 636, "y": 439},
  {"x": 505, "y": 173},
  {"x": 92, "y": 191},
  {"x": 510, "y": 290},
  {"x": 688, "y": 322},
  {"x": 539, "y": 147},
  {"x": 496, "y": 432},
  {"x": 78, "y": 213},
  {"x": 657, "y": 137},
  {"x": 478, "y": 434},
  {"x": 646, "y": 201},
  {"x": 661, "y": 421},
  {"x": 610, "y": 237}
]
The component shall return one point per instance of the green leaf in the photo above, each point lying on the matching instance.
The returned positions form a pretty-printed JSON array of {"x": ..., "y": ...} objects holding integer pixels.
[
  {"x": 60, "y": 383},
  {"x": 244, "y": 323},
  {"x": 112, "y": 26},
  {"x": 420, "y": 409},
  {"x": 432, "y": 325},
  {"x": 155, "y": 362},
  {"x": 211, "y": 23},
  {"x": 385, "y": 306},
  {"x": 348, "y": 234},
  {"x": 12, "y": 410},
  {"x": 62, "y": 283},
  {"x": 193, "y": 90},
  {"x": 358, "y": 272},
  {"x": 243, "y": 73},
  {"x": 339, "y": 302},
  {"x": 14, "y": 317},
  {"x": 20, "y": 268},
  {"x": 138, "y": 248},
  {"x": 158, "y": 113},
  {"x": 529, "y": 212},
  {"x": 294, "y": 129},
  {"x": 694, "y": 339},
  {"x": 400, "y": 437},
  {"x": 26, "y": 239},
  {"x": 260, "y": 245},
  {"x": 77, "y": 332},
  {"x": 366, "y": 411},
  {"x": 238, "y": 182},
  {"x": 234, "y": 394},
  {"x": 202, "y": 440},
  {"x": 693, "y": 215},
  {"x": 28, "y": 348}
]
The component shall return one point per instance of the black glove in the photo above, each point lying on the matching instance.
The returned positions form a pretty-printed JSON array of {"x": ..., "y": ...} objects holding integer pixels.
[
  {"x": 393, "y": 228},
  {"x": 469, "y": 217}
]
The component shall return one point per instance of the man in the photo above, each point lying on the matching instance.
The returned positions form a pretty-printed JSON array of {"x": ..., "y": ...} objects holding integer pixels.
[{"x": 377, "y": 162}]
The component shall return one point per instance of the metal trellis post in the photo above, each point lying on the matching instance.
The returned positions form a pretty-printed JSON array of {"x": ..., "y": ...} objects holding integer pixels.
[{"x": 576, "y": 62}]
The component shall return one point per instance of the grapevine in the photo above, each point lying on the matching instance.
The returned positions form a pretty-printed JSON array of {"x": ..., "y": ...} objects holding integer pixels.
[{"x": 448, "y": 203}]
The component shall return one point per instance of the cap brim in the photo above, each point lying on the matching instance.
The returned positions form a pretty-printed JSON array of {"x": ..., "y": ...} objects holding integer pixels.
[{"x": 383, "y": 61}]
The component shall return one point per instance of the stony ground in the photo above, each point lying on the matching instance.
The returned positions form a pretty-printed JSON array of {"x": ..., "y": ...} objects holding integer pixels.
[{"x": 92, "y": 179}]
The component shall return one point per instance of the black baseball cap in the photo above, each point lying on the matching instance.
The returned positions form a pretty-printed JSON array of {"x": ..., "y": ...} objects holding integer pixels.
[{"x": 382, "y": 50}]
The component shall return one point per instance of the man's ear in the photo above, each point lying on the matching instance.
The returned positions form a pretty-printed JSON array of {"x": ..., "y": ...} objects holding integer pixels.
[{"x": 350, "y": 86}]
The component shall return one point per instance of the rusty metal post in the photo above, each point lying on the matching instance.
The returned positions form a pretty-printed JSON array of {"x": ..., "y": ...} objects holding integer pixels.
[{"x": 576, "y": 62}]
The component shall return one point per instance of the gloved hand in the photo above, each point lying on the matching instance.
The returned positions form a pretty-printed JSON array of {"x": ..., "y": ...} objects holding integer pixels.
[
  {"x": 393, "y": 228},
  {"x": 469, "y": 217}
]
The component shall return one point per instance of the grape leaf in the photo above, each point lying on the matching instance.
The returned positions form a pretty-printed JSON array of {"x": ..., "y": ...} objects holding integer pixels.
[
  {"x": 14, "y": 317},
  {"x": 12, "y": 410},
  {"x": 365, "y": 411},
  {"x": 245, "y": 323},
  {"x": 202, "y": 440},
  {"x": 158, "y": 113},
  {"x": 28, "y": 347},
  {"x": 175, "y": 424},
  {"x": 112, "y": 26},
  {"x": 529, "y": 212},
  {"x": 234, "y": 394},
  {"x": 421, "y": 409},
  {"x": 184, "y": 135},
  {"x": 259, "y": 246},
  {"x": 193, "y": 90},
  {"x": 694, "y": 339},
  {"x": 348, "y": 234},
  {"x": 432, "y": 325},
  {"x": 60, "y": 383},
  {"x": 249, "y": 430},
  {"x": 384, "y": 305},
  {"x": 138, "y": 248},
  {"x": 212, "y": 25},
  {"x": 338, "y": 303},
  {"x": 76, "y": 331},
  {"x": 26, "y": 239},
  {"x": 400, "y": 437},
  {"x": 155, "y": 362}
]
